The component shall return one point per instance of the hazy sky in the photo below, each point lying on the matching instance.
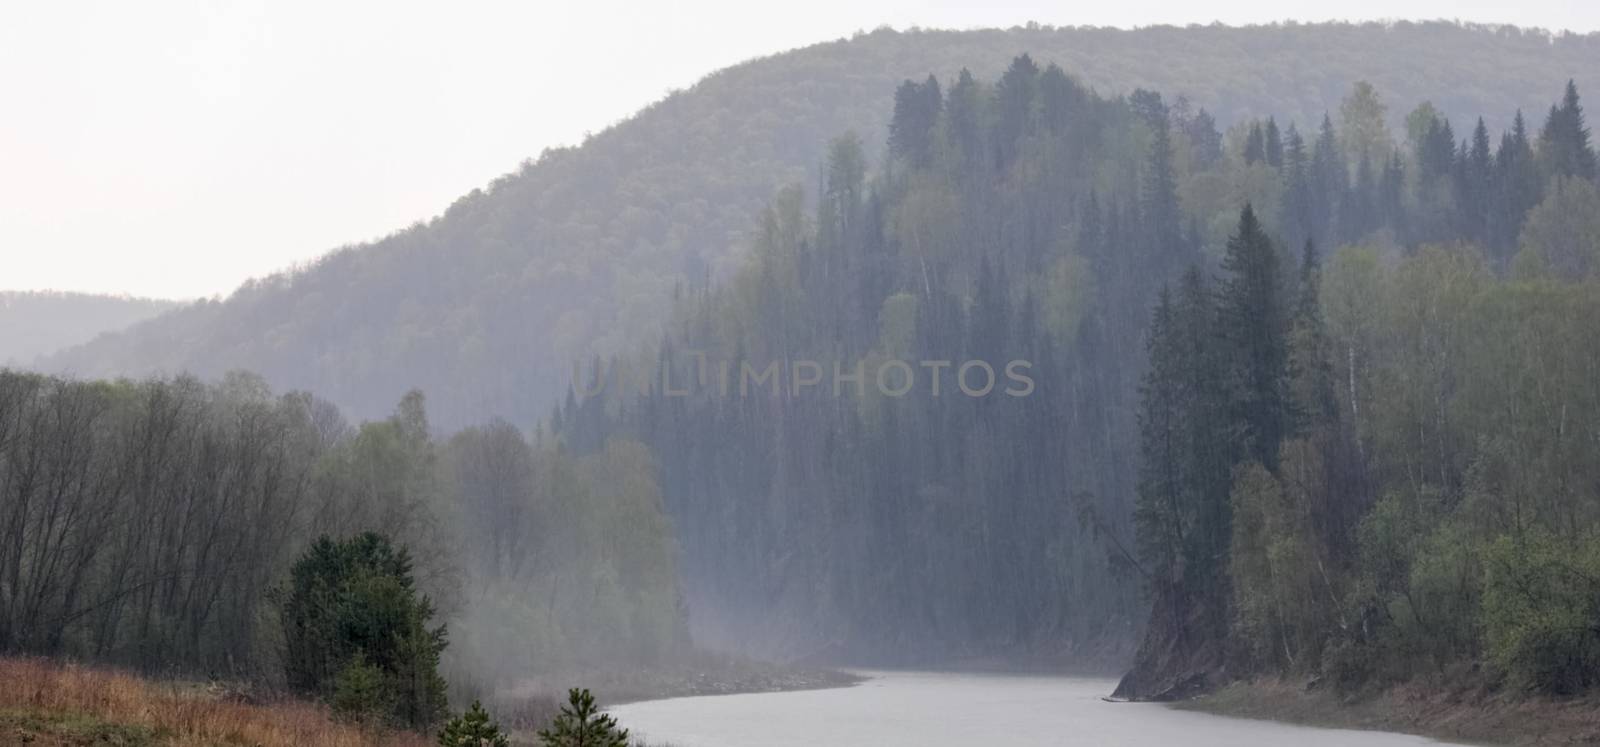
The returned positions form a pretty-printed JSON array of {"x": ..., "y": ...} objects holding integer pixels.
[{"x": 175, "y": 149}]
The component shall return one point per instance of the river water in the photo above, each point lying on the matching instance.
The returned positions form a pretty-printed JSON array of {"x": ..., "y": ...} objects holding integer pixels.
[{"x": 924, "y": 709}]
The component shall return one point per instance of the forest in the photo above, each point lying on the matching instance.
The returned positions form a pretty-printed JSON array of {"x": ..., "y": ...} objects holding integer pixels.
[
  {"x": 154, "y": 525},
  {"x": 1310, "y": 393},
  {"x": 1327, "y": 397}
]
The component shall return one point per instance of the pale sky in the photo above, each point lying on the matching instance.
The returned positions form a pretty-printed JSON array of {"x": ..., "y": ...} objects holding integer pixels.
[{"x": 174, "y": 149}]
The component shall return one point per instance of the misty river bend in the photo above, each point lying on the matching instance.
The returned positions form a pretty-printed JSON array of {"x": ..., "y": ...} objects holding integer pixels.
[{"x": 924, "y": 709}]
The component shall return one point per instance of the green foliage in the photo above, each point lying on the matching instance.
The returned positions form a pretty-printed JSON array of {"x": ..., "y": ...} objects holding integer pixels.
[
  {"x": 1364, "y": 126},
  {"x": 581, "y": 724},
  {"x": 351, "y": 615},
  {"x": 1253, "y": 320},
  {"x": 1541, "y": 611},
  {"x": 1564, "y": 143},
  {"x": 1014, "y": 213},
  {"x": 1285, "y": 606},
  {"x": 472, "y": 729},
  {"x": 1562, "y": 233},
  {"x": 362, "y": 692},
  {"x": 174, "y": 506}
]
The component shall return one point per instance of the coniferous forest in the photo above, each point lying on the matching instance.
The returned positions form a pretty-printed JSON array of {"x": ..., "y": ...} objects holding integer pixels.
[
  {"x": 1317, "y": 395},
  {"x": 1037, "y": 373}
]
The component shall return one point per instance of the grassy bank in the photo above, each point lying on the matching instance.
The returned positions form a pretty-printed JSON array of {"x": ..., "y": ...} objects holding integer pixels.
[
  {"x": 1468, "y": 714},
  {"x": 57, "y": 704},
  {"x": 51, "y": 703}
]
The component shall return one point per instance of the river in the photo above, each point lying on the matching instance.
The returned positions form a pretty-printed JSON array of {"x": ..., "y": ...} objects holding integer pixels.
[{"x": 925, "y": 709}]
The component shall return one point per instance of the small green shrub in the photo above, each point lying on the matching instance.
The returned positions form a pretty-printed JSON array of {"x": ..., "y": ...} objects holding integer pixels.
[
  {"x": 473, "y": 729},
  {"x": 582, "y": 725},
  {"x": 360, "y": 692}
]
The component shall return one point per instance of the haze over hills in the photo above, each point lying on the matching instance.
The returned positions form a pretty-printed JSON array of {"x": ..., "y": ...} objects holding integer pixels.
[
  {"x": 36, "y": 323},
  {"x": 488, "y": 305},
  {"x": 1255, "y": 363}
]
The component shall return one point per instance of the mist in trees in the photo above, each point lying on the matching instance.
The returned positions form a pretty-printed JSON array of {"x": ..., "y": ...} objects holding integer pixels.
[
  {"x": 1229, "y": 404},
  {"x": 576, "y": 252},
  {"x": 160, "y": 525},
  {"x": 1304, "y": 395}
]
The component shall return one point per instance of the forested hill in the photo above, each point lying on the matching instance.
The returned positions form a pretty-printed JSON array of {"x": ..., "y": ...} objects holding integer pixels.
[
  {"x": 35, "y": 323},
  {"x": 486, "y": 306}
]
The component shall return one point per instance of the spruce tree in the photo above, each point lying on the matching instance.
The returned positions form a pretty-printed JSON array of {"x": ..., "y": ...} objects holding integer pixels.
[
  {"x": 1273, "y": 145},
  {"x": 1517, "y": 187},
  {"x": 1163, "y": 227},
  {"x": 916, "y": 111},
  {"x": 1209, "y": 450},
  {"x": 1013, "y": 108},
  {"x": 581, "y": 724},
  {"x": 1254, "y": 325},
  {"x": 1205, "y": 142},
  {"x": 1476, "y": 169},
  {"x": 1330, "y": 177},
  {"x": 1298, "y": 212},
  {"x": 1564, "y": 144},
  {"x": 1391, "y": 202},
  {"x": 1255, "y": 145},
  {"x": 353, "y": 603},
  {"x": 964, "y": 118},
  {"x": 1160, "y": 513},
  {"x": 1314, "y": 402},
  {"x": 473, "y": 729}
]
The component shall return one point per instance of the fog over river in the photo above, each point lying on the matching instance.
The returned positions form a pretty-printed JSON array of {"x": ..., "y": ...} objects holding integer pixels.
[{"x": 926, "y": 709}]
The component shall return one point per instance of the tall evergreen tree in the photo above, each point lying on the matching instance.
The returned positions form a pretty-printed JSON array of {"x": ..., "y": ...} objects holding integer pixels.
[
  {"x": 1314, "y": 400},
  {"x": 1272, "y": 145},
  {"x": 1299, "y": 212},
  {"x": 1330, "y": 178},
  {"x": 1205, "y": 142},
  {"x": 1564, "y": 148},
  {"x": 1360, "y": 211},
  {"x": 964, "y": 114},
  {"x": 1164, "y": 245},
  {"x": 1391, "y": 202},
  {"x": 1014, "y": 108},
  {"x": 916, "y": 111},
  {"x": 1253, "y": 321},
  {"x": 1517, "y": 187},
  {"x": 1162, "y": 514},
  {"x": 1255, "y": 145},
  {"x": 1476, "y": 186}
]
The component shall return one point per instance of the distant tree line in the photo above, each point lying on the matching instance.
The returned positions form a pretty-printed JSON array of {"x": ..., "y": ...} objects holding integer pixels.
[{"x": 577, "y": 250}]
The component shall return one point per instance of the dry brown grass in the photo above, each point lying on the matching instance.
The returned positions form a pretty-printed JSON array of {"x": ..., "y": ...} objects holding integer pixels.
[{"x": 175, "y": 714}]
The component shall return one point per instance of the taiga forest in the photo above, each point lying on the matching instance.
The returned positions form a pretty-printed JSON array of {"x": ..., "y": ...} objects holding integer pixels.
[{"x": 1248, "y": 367}]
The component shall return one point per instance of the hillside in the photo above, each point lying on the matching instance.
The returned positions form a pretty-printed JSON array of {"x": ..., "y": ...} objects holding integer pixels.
[
  {"x": 486, "y": 306},
  {"x": 33, "y": 324}
]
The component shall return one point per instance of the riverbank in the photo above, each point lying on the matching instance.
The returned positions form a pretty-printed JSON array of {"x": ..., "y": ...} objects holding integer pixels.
[
  {"x": 534, "y": 701},
  {"x": 703, "y": 674},
  {"x": 50, "y": 703},
  {"x": 1466, "y": 714}
]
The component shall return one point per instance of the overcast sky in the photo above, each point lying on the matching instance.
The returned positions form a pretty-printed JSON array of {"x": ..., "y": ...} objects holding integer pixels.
[{"x": 176, "y": 149}]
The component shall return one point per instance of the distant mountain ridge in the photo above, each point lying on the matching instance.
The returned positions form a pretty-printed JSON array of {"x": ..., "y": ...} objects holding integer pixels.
[
  {"x": 37, "y": 323},
  {"x": 487, "y": 306}
]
